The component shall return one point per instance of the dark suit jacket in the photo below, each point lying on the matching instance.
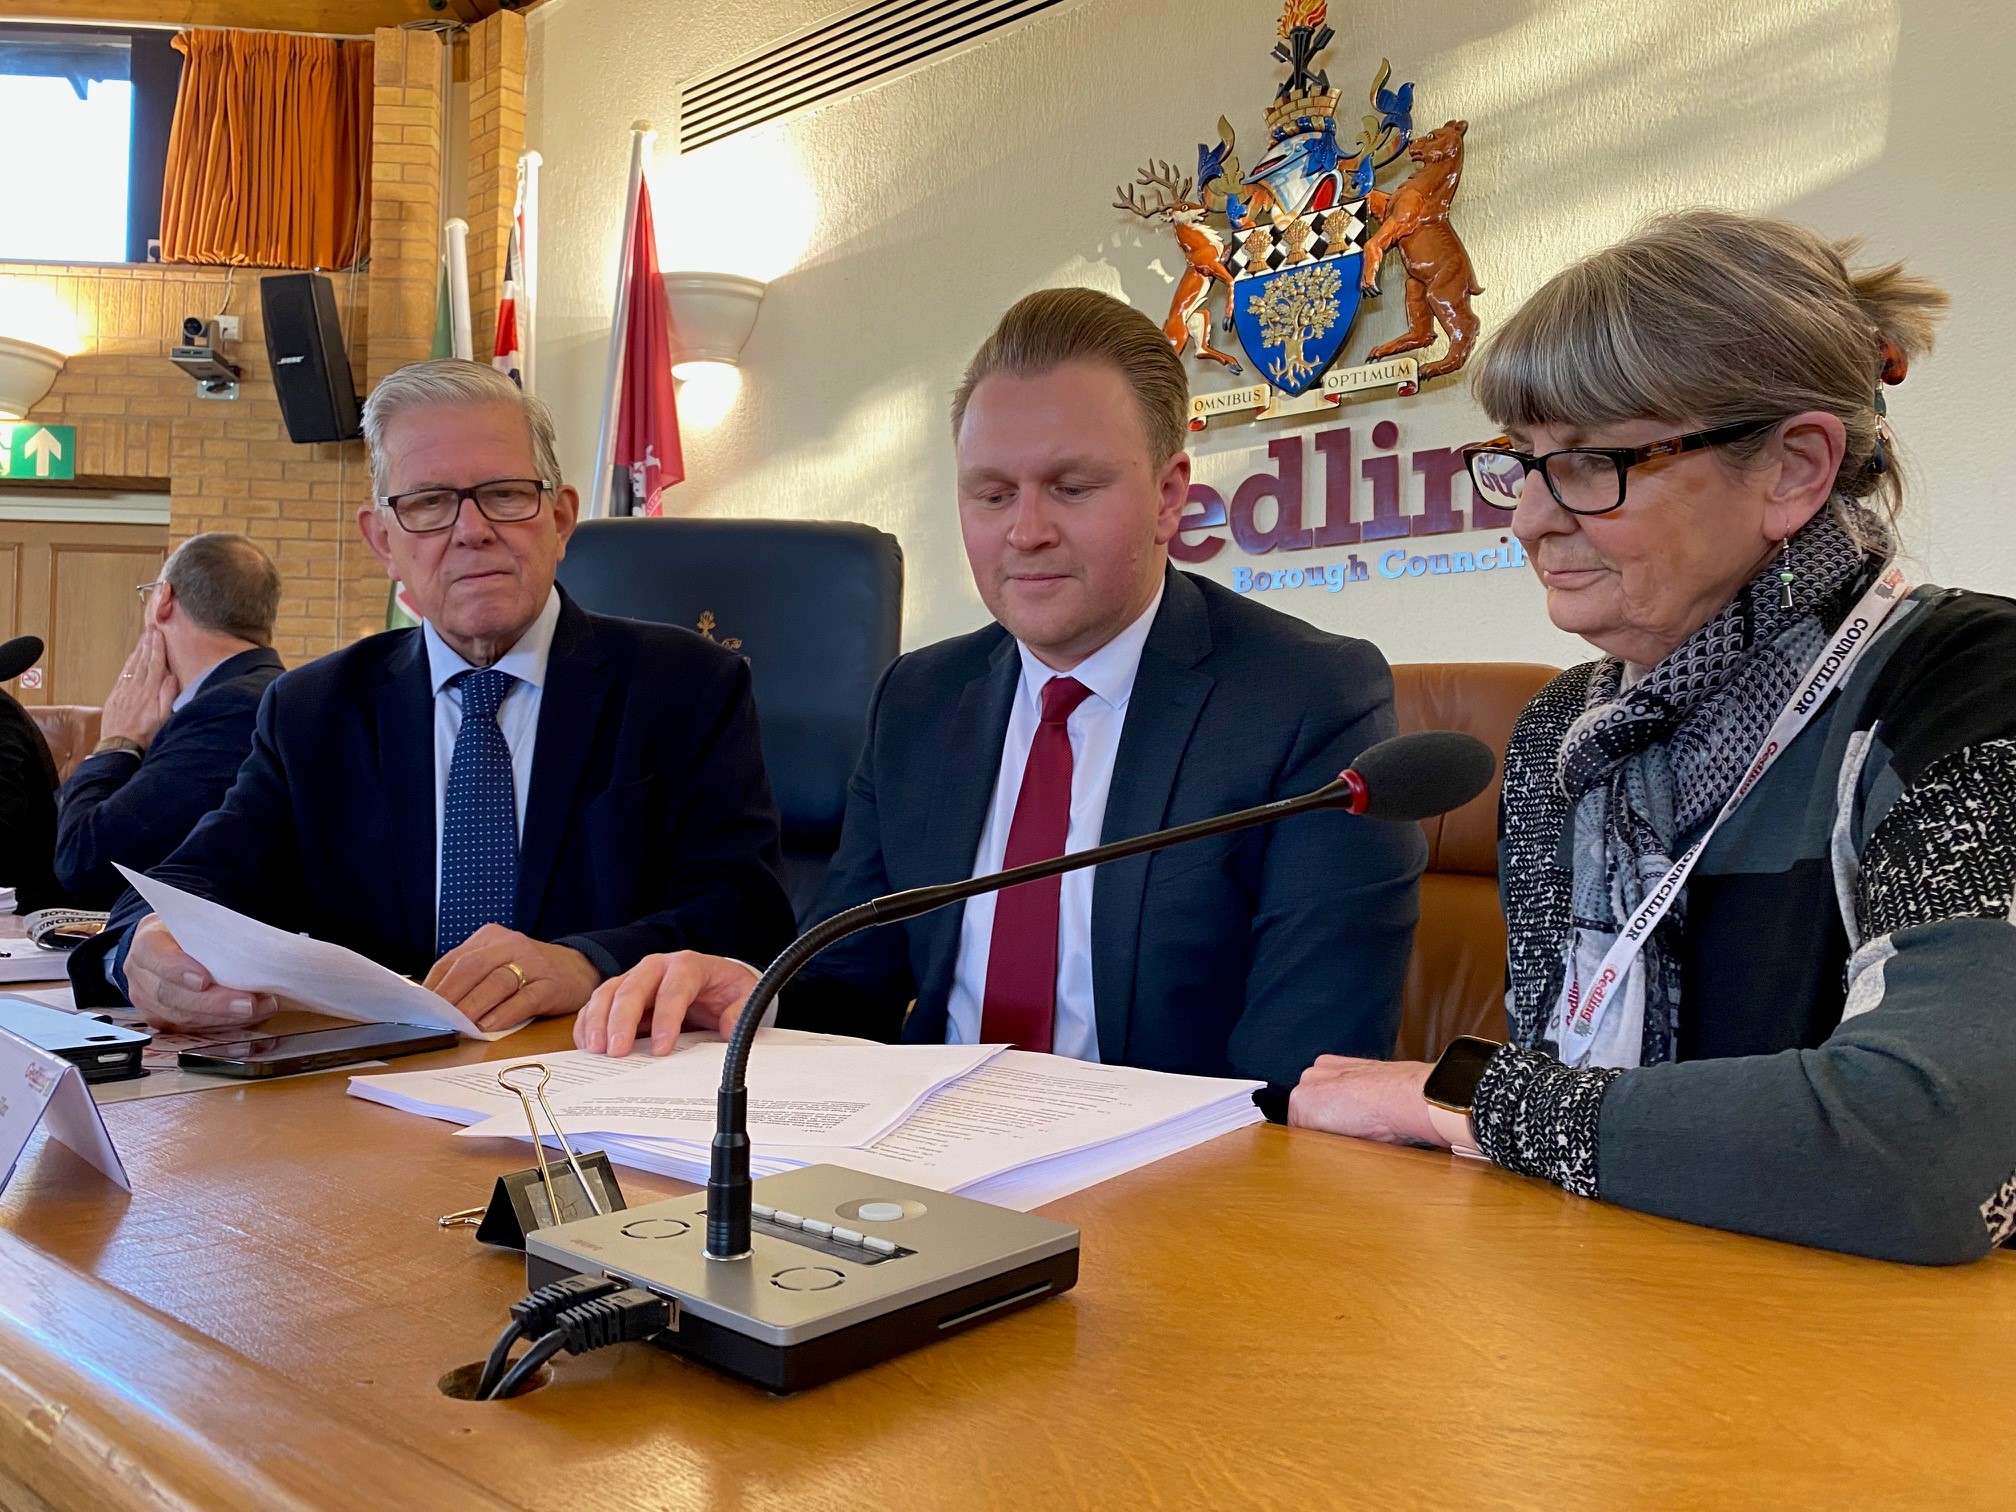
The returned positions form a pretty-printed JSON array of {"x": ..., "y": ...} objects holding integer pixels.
[
  {"x": 135, "y": 812},
  {"x": 648, "y": 826},
  {"x": 27, "y": 809},
  {"x": 1248, "y": 954}
]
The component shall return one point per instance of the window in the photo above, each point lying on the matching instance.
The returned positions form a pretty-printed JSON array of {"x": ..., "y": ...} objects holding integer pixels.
[{"x": 84, "y": 116}]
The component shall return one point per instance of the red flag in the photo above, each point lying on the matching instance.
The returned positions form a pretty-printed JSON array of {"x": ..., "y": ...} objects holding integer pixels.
[
  {"x": 504, "y": 354},
  {"x": 647, "y": 421}
]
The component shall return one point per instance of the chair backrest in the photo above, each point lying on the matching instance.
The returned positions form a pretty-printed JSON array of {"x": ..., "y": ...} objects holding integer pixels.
[
  {"x": 1456, "y": 978},
  {"x": 815, "y": 606},
  {"x": 70, "y": 729}
]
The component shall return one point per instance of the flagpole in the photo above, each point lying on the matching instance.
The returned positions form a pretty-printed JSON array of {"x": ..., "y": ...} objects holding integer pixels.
[
  {"x": 528, "y": 265},
  {"x": 458, "y": 287},
  {"x": 642, "y": 135}
]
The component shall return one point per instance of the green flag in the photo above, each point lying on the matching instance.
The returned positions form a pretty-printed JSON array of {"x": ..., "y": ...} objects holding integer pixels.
[{"x": 444, "y": 322}]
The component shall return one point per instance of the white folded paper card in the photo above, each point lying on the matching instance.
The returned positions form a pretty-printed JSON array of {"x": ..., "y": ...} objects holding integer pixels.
[
  {"x": 37, "y": 1083},
  {"x": 254, "y": 957}
]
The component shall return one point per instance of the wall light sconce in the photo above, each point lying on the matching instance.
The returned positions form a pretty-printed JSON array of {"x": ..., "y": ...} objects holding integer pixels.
[
  {"x": 712, "y": 316},
  {"x": 27, "y": 372}
]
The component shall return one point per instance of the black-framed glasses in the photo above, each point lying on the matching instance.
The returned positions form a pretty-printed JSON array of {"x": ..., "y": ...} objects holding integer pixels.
[
  {"x": 1585, "y": 480},
  {"x": 503, "y": 501}
]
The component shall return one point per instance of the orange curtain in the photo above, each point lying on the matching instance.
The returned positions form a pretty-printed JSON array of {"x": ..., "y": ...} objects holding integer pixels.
[{"x": 269, "y": 156}]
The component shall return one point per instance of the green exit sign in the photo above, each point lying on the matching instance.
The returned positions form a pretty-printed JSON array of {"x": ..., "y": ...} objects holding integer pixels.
[{"x": 38, "y": 453}]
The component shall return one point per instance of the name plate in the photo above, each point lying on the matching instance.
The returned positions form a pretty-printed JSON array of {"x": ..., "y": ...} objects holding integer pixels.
[{"x": 37, "y": 1086}]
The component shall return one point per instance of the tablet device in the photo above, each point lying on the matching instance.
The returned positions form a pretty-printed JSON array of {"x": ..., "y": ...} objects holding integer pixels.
[{"x": 316, "y": 1050}]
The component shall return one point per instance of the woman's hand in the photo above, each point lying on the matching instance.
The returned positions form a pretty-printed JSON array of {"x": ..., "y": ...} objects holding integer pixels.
[{"x": 1365, "y": 1099}]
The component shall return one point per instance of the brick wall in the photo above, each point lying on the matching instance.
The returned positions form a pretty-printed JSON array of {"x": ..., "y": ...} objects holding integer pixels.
[
  {"x": 227, "y": 464},
  {"x": 405, "y": 197},
  {"x": 496, "y": 140}
]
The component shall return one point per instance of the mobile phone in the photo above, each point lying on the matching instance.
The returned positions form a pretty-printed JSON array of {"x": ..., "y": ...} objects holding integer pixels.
[{"x": 315, "y": 1050}]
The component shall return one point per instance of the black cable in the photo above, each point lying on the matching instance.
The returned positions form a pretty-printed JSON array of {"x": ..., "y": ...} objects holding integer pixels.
[
  {"x": 622, "y": 1317},
  {"x": 543, "y": 1349},
  {"x": 535, "y": 1314},
  {"x": 494, "y": 1366}
]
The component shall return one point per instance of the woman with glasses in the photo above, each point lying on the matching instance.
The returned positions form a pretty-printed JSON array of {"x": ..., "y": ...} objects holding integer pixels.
[{"x": 1757, "y": 859}]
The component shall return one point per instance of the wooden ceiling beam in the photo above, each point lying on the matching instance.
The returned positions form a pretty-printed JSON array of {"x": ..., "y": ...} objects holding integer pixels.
[{"x": 335, "y": 17}]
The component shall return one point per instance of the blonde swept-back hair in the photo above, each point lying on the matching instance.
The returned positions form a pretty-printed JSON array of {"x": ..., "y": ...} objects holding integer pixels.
[
  {"x": 1712, "y": 318},
  {"x": 1051, "y": 327},
  {"x": 454, "y": 381}
]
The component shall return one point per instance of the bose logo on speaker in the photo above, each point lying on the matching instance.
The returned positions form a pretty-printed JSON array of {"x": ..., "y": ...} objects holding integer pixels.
[{"x": 285, "y": 361}]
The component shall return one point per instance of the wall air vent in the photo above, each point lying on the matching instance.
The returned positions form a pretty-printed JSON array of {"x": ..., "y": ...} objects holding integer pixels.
[{"x": 837, "y": 57}]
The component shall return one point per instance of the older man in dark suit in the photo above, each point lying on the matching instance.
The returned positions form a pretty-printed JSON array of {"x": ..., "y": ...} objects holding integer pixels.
[
  {"x": 514, "y": 801},
  {"x": 1111, "y": 696}
]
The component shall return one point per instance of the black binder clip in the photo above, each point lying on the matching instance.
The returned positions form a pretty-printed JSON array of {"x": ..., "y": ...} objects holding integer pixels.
[{"x": 538, "y": 1196}]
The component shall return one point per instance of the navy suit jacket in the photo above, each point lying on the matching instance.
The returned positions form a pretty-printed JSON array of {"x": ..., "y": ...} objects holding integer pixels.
[
  {"x": 1249, "y": 954},
  {"x": 648, "y": 827},
  {"x": 135, "y": 812}
]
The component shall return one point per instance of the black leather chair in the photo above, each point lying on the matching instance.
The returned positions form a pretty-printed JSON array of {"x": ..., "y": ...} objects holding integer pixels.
[{"x": 816, "y": 607}]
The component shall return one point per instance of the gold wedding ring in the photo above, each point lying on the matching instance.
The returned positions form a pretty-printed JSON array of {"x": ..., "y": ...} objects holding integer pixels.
[{"x": 517, "y": 971}]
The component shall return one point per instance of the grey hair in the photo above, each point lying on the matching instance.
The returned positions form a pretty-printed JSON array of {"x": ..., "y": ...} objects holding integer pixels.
[
  {"x": 1711, "y": 318},
  {"x": 450, "y": 380},
  {"x": 226, "y": 585}
]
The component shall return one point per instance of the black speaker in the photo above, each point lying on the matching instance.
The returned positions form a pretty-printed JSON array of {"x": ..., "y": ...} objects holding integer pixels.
[{"x": 311, "y": 371}]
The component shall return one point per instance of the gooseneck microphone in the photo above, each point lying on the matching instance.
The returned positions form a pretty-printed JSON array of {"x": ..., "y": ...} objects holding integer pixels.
[
  {"x": 1410, "y": 777},
  {"x": 18, "y": 655}
]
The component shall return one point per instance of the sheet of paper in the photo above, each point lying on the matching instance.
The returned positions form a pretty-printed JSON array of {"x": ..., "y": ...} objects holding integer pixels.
[
  {"x": 244, "y": 953},
  {"x": 831, "y": 1096},
  {"x": 470, "y": 1094}
]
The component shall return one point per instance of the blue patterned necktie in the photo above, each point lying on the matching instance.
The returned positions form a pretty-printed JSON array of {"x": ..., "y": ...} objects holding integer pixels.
[{"x": 479, "y": 820}]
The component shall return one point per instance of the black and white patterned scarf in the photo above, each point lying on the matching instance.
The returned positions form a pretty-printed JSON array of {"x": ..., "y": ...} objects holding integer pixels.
[{"x": 1641, "y": 769}]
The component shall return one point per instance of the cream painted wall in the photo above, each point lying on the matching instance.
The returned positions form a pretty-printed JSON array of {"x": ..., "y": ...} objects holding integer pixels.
[{"x": 899, "y": 223}]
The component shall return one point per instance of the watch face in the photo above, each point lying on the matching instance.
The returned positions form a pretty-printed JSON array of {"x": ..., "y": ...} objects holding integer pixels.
[{"x": 1453, "y": 1082}]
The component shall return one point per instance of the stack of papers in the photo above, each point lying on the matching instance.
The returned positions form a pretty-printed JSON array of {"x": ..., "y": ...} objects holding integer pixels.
[
  {"x": 23, "y": 962},
  {"x": 1004, "y": 1126}
]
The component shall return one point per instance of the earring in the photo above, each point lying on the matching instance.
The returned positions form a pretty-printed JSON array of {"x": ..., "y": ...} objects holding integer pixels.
[{"x": 1785, "y": 587}]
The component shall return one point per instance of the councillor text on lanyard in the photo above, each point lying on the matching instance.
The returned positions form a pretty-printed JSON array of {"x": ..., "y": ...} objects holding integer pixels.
[{"x": 1583, "y": 1014}]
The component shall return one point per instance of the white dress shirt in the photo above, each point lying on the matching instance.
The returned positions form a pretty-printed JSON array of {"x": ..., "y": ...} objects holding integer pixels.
[
  {"x": 1094, "y": 728},
  {"x": 517, "y": 715}
]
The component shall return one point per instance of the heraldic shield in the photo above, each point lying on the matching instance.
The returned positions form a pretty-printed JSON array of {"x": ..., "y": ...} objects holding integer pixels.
[{"x": 1295, "y": 292}]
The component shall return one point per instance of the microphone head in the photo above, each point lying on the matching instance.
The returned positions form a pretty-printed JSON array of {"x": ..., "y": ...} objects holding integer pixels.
[
  {"x": 1422, "y": 775},
  {"x": 18, "y": 655}
]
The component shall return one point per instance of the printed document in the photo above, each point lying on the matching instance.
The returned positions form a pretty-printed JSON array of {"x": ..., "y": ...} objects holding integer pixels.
[
  {"x": 824, "y": 1096},
  {"x": 255, "y": 957}
]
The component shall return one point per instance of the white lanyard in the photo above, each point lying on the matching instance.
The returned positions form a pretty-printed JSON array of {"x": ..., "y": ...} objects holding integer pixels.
[{"x": 1583, "y": 1013}]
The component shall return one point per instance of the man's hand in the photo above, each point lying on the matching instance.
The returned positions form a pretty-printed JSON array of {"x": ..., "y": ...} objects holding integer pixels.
[
  {"x": 1365, "y": 1099},
  {"x": 173, "y": 992},
  {"x": 144, "y": 696},
  {"x": 669, "y": 992},
  {"x": 476, "y": 976}
]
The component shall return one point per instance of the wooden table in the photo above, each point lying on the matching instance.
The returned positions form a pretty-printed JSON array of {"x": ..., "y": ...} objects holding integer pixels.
[{"x": 1275, "y": 1320}]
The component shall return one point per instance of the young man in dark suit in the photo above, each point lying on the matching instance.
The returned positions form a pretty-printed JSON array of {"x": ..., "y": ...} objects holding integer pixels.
[
  {"x": 178, "y": 722},
  {"x": 1112, "y": 696},
  {"x": 514, "y": 801}
]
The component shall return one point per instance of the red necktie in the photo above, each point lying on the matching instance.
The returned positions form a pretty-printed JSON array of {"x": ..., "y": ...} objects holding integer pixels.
[{"x": 1021, "y": 998}]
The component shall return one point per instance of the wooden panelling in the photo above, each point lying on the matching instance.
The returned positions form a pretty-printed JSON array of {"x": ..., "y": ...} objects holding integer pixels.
[
  {"x": 10, "y": 588},
  {"x": 97, "y": 615},
  {"x": 72, "y": 584}
]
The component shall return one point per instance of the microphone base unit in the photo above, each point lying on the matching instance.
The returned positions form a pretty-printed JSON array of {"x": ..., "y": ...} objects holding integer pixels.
[{"x": 845, "y": 1270}]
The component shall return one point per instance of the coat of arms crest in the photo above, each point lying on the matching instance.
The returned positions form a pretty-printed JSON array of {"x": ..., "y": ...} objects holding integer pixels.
[{"x": 1301, "y": 237}]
